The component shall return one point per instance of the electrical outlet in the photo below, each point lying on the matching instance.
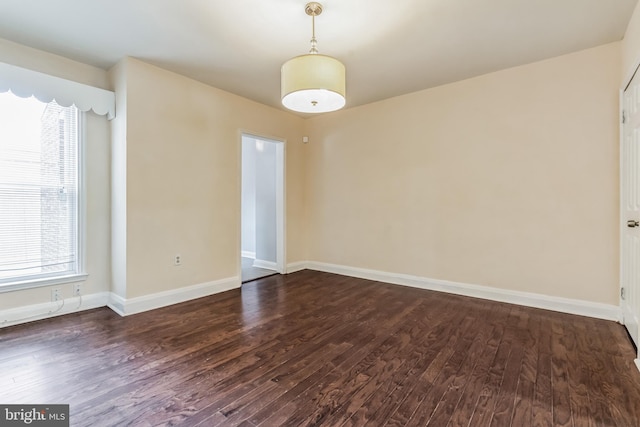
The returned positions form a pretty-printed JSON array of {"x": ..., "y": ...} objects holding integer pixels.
[
  {"x": 56, "y": 294},
  {"x": 177, "y": 260},
  {"x": 77, "y": 289}
]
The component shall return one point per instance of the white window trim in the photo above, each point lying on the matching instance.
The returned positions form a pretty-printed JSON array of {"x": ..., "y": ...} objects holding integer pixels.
[
  {"x": 81, "y": 274},
  {"x": 47, "y": 281}
]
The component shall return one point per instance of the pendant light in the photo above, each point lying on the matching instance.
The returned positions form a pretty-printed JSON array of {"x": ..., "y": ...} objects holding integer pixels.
[{"x": 313, "y": 83}]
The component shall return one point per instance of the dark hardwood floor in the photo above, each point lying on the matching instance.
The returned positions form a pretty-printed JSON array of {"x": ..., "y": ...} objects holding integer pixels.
[{"x": 315, "y": 348}]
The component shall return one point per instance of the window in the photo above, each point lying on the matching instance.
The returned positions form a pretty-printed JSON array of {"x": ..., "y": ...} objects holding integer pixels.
[{"x": 39, "y": 183}]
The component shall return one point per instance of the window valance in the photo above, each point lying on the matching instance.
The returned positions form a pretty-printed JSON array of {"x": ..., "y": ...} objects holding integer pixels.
[{"x": 24, "y": 83}]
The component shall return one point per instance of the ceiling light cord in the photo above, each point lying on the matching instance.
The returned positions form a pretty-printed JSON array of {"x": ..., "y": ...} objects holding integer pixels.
[
  {"x": 313, "y": 9},
  {"x": 314, "y": 42}
]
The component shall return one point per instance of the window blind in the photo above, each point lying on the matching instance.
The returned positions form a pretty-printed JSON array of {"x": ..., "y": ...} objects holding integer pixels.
[{"x": 38, "y": 189}]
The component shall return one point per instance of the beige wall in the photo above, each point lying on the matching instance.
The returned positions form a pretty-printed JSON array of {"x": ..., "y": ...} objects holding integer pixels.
[
  {"x": 183, "y": 178},
  {"x": 507, "y": 180}
]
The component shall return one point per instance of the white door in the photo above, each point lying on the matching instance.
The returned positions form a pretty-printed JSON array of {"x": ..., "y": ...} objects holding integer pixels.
[{"x": 630, "y": 208}]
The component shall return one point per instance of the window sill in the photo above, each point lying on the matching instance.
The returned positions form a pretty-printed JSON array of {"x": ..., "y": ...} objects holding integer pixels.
[{"x": 37, "y": 283}]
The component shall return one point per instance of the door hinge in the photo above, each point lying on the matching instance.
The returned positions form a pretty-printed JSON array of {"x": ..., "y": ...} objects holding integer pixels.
[
  {"x": 624, "y": 117},
  {"x": 622, "y": 293}
]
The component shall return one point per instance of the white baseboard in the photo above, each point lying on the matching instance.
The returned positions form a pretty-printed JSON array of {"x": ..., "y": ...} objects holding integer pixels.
[
  {"x": 296, "y": 266},
  {"x": 123, "y": 307},
  {"x": 564, "y": 305},
  {"x": 33, "y": 312},
  {"x": 126, "y": 307},
  {"x": 247, "y": 254},
  {"x": 259, "y": 263}
]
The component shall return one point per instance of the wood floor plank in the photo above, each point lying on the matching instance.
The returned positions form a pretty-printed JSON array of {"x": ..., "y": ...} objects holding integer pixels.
[
  {"x": 443, "y": 381},
  {"x": 481, "y": 347},
  {"x": 382, "y": 403},
  {"x": 561, "y": 393},
  {"x": 426, "y": 378},
  {"x": 305, "y": 390},
  {"x": 487, "y": 399},
  {"x": 503, "y": 409},
  {"x": 339, "y": 387},
  {"x": 229, "y": 369},
  {"x": 314, "y": 348},
  {"x": 581, "y": 405},
  {"x": 542, "y": 405},
  {"x": 356, "y": 411},
  {"x": 522, "y": 411},
  {"x": 465, "y": 409}
]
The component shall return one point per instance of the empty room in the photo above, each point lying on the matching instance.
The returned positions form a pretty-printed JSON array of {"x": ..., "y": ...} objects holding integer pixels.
[{"x": 334, "y": 213}]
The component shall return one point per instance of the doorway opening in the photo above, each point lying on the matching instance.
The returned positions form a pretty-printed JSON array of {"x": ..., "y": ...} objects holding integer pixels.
[{"x": 262, "y": 207}]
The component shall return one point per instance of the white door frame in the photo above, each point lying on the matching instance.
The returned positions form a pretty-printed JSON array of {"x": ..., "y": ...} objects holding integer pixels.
[{"x": 281, "y": 210}]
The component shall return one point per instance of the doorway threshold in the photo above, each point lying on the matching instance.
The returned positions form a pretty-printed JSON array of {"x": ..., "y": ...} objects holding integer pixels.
[{"x": 251, "y": 273}]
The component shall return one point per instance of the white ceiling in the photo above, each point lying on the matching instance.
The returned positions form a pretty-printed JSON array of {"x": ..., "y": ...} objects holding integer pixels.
[{"x": 389, "y": 47}]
